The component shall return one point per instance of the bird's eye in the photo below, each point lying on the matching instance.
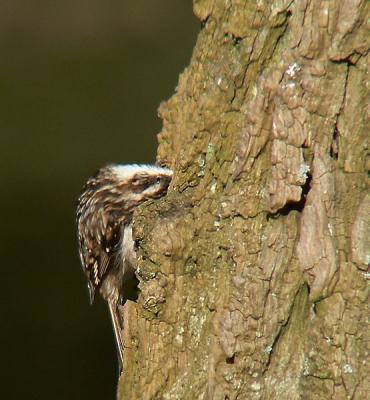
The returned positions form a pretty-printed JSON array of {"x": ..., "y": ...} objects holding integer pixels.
[
  {"x": 159, "y": 180},
  {"x": 141, "y": 181}
]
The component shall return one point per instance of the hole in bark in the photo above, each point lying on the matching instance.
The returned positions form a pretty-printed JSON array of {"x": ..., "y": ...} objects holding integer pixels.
[
  {"x": 230, "y": 360},
  {"x": 298, "y": 206},
  {"x": 306, "y": 188},
  {"x": 130, "y": 290},
  {"x": 236, "y": 40},
  {"x": 334, "y": 148}
]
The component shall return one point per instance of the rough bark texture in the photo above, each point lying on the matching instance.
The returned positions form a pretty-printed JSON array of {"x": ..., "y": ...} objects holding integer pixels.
[{"x": 254, "y": 269}]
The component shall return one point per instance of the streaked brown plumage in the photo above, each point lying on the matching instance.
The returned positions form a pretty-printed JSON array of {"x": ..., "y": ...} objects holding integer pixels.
[{"x": 104, "y": 221}]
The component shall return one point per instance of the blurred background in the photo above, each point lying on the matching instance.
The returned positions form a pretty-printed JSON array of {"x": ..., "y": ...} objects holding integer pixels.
[{"x": 80, "y": 86}]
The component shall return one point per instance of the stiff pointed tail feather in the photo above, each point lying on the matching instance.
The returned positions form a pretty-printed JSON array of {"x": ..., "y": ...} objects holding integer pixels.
[{"x": 117, "y": 327}]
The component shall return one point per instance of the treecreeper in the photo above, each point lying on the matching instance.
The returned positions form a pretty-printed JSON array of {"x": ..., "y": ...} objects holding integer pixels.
[{"x": 104, "y": 218}]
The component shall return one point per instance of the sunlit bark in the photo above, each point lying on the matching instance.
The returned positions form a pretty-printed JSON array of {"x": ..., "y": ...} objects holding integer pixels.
[{"x": 254, "y": 269}]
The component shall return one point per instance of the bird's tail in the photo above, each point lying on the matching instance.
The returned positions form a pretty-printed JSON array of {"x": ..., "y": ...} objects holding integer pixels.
[{"x": 117, "y": 327}]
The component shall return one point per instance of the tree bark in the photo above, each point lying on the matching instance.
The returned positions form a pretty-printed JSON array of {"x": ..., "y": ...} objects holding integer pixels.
[{"x": 254, "y": 269}]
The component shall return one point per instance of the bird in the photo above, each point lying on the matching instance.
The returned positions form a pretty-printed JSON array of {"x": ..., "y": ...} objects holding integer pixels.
[{"x": 104, "y": 217}]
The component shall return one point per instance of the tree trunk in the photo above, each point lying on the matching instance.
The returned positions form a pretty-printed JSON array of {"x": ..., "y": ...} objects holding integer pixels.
[{"x": 254, "y": 269}]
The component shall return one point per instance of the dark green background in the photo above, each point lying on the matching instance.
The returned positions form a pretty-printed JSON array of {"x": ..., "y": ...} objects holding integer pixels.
[{"x": 80, "y": 83}]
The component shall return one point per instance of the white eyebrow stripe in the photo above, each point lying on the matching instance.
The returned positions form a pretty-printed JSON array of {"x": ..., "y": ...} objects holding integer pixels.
[{"x": 126, "y": 172}]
